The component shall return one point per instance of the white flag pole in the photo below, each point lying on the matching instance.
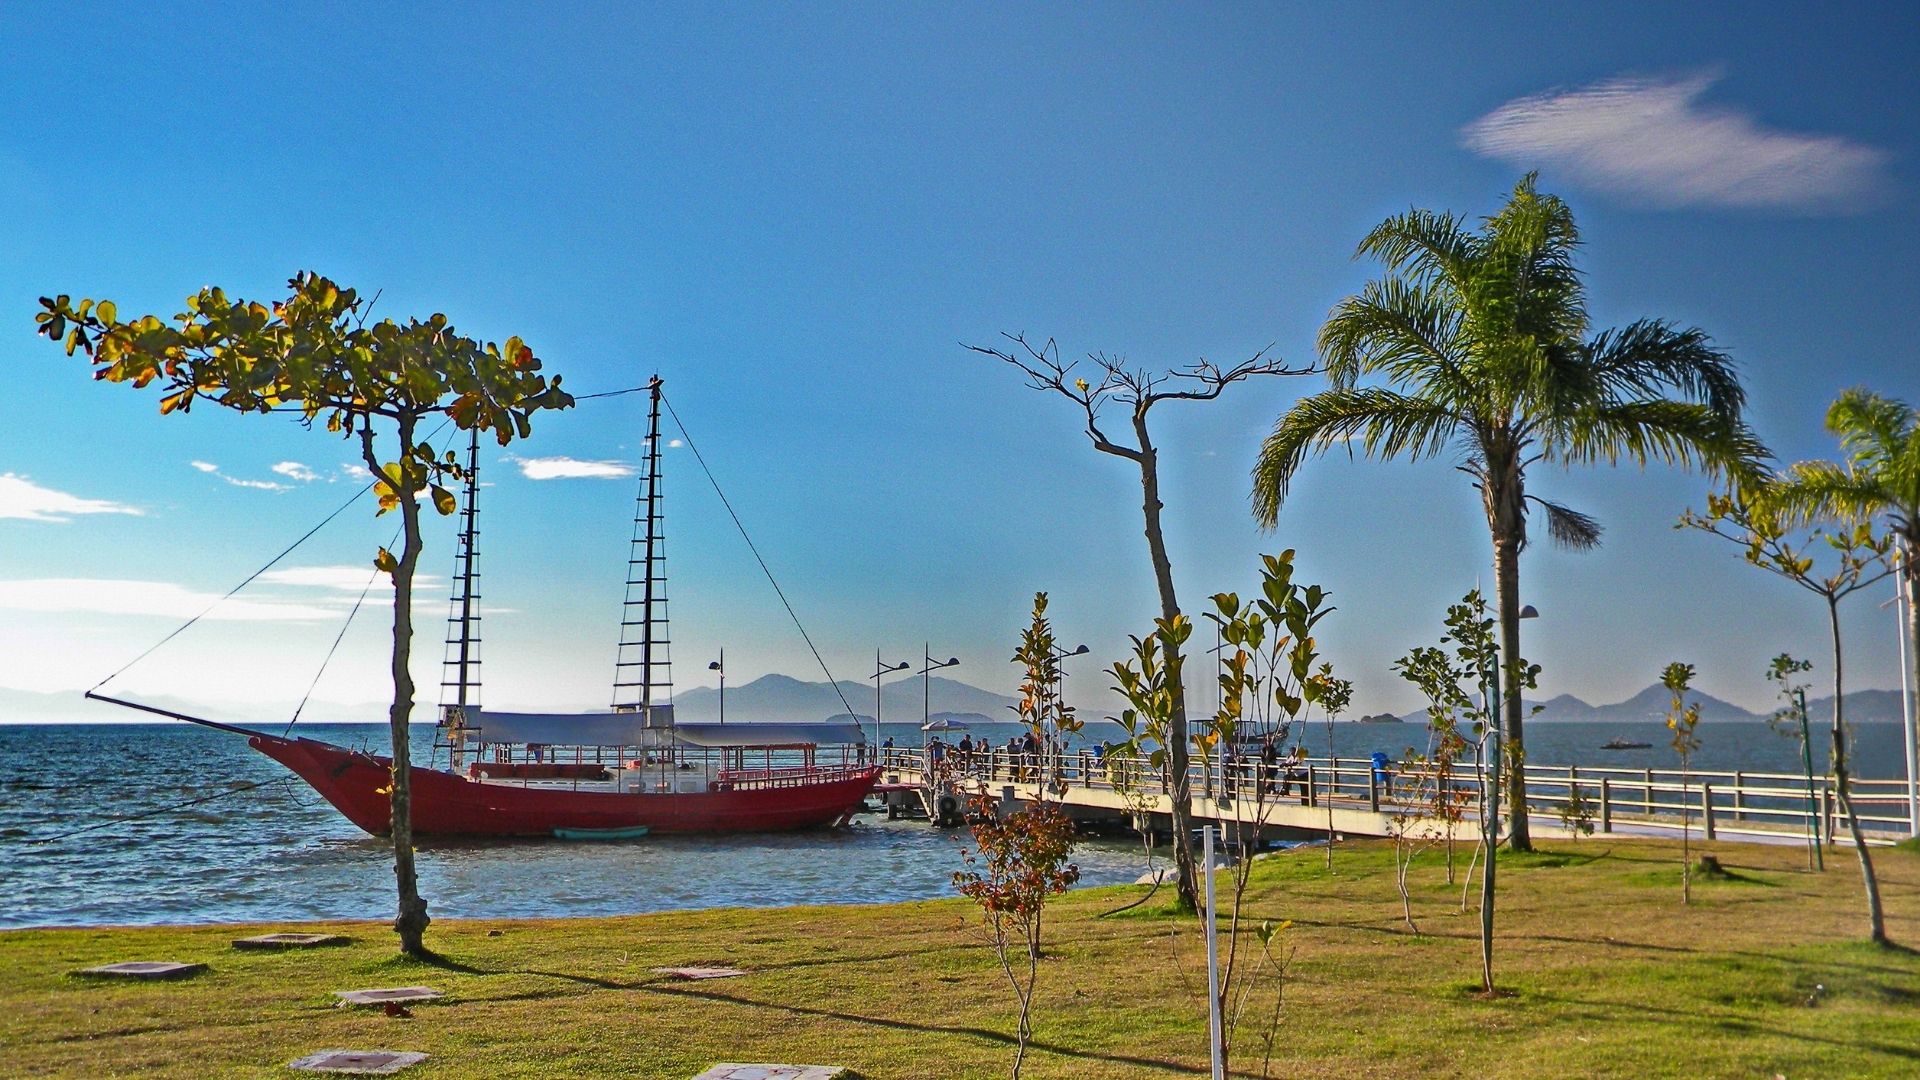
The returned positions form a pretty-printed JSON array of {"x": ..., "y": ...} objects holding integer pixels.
[{"x": 1213, "y": 959}]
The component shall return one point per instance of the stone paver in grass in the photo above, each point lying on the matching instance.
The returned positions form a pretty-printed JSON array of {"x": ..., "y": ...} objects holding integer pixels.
[
  {"x": 143, "y": 969},
  {"x": 733, "y": 1070},
  {"x": 398, "y": 995},
  {"x": 289, "y": 941},
  {"x": 699, "y": 972},
  {"x": 358, "y": 1062}
]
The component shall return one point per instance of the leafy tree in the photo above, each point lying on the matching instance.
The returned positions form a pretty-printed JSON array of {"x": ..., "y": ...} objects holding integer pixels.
[
  {"x": 1428, "y": 780},
  {"x": 1683, "y": 717},
  {"x": 1017, "y": 863},
  {"x": 1791, "y": 720},
  {"x": 1270, "y": 674},
  {"x": 1041, "y": 706},
  {"x": 1482, "y": 339},
  {"x": 1137, "y": 391},
  {"x": 1752, "y": 519},
  {"x": 1879, "y": 480},
  {"x": 1460, "y": 679},
  {"x": 1335, "y": 696},
  {"x": 315, "y": 353}
]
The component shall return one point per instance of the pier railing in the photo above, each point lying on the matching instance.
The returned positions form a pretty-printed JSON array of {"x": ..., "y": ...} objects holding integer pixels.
[{"x": 1716, "y": 802}]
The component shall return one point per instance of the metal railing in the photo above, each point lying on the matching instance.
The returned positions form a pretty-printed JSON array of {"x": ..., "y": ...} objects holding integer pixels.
[{"x": 1715, "y": 801}]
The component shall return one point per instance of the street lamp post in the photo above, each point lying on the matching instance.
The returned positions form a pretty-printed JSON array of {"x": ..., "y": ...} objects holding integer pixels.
[
  {"x": 881, "y": 668},
  {"x": 926, "y": 686},
  {"x": 720, "y": 666},
  {"x": 1059, "y": 696}
]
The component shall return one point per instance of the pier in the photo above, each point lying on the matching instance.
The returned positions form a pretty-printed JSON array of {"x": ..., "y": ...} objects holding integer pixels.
[{"x": 1294, "y": 802}]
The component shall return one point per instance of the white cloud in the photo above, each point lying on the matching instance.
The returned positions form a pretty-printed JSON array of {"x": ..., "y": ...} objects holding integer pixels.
[
  {"x": 108, "y": 596},
  {"x": 258, "y": 485},
  {"x": 293, "y": 470},
  {"x": 675, "y": 443},
  {"x": 1653, "y": 138},
  {"x": 566, "y": 468},
  {"x": 25, "y": 500},
  {"x": 211, "y": 469},
  {"x": 345, "y": 578}
]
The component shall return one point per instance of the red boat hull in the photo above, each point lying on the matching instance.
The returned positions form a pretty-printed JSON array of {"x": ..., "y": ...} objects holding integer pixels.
[{"x": 446, "y": 804}]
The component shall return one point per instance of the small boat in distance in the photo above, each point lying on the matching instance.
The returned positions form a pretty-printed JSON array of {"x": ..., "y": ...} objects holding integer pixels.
[
  {"x": 624, "y": 772},
  {"x": 1624, "y": 744}
]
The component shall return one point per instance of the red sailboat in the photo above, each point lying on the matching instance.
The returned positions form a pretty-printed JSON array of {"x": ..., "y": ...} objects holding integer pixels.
[{"x": 627, "y": 771}]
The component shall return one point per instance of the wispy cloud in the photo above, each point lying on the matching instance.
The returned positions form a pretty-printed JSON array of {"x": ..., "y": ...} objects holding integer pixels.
[
  {"x": 293, "y": 470},
  {"x": 566, "y": 468},
  {"x": 109, "y": 596},
  {"x": 1654, "y": 138},
  {"x": 344, "y": 578},
  {"x": 211, "y": 469},
  {"x": 22, "y": 499}
]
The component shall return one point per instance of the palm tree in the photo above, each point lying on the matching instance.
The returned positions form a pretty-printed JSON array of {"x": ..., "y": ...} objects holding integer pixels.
[
  {"x": 1483, "y": 341},
  {"x": 1880, "y": 478}
]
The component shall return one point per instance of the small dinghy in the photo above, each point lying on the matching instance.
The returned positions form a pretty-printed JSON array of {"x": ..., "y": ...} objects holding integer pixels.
[{"x": 633, "y": 832}]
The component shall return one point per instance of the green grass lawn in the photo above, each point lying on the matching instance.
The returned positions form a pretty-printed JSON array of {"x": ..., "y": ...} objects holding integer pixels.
[{"x": 1766, "y": 974}]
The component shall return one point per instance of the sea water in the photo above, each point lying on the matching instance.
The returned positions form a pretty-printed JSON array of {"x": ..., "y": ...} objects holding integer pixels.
[{"x": 279, "y": 852}]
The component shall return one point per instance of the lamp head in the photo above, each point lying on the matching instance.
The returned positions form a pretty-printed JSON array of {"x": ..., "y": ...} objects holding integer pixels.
[
  {"x": 714, "y": 666},
  {"x": 1529, "y": 612}
]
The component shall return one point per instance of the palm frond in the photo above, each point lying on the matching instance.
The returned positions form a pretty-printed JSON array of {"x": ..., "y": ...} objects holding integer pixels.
[
  {"x": 1656, "y": 429},
  {"x": 1869, "y": 424},
  {"x": 1569, "y": 528},
  {"x": 1422, "y": 244},
  {"x": 1385, "y": 424},
  {"x": 1810, "y": 491},
  {"x": 1407, "y": 330},
  {"x": 1647, "y": 357}
]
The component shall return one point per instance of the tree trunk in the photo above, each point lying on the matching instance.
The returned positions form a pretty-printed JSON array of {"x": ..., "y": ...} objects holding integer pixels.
[
  {"x": 411, "y": 922},
  {"x": 1506, "y": 586},
  {"x": 1181, "y": 810},
  {"x": 1876, "y": 921}
]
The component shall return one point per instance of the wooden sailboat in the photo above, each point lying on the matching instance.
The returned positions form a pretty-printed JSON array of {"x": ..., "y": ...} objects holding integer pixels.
[{"x": 629, "y": 769}]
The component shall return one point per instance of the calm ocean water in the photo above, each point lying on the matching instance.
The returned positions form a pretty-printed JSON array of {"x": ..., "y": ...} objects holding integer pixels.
[{"x": 281, "y": 853}]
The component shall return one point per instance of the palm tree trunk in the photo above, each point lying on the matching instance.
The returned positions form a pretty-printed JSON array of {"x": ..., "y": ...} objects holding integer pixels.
[
  {"x": 411, "y": 921},
  {"x": 1180, "y": 796},
  {"x": 1506, "y": 586},
  {"x": 1876, "y": 922}
]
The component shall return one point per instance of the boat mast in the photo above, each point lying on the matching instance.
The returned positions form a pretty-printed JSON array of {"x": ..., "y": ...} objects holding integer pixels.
[
  {"x": 643, "y": 664},
  {"x": 461, "y": 659}
]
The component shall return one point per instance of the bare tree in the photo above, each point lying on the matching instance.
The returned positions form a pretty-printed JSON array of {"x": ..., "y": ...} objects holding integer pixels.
[{"x": 1138, "y": 390}]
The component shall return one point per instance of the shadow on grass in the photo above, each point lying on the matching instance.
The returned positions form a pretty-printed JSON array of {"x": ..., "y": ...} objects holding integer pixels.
[
  {"x": 667, "y": 987},
  {"x": 1690, "y": 1020},
  {"x": 890, "y": 1023}
]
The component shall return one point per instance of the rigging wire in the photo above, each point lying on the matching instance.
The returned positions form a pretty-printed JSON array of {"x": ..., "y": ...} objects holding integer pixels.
[
  {"x": 338, "y": 638},
  {"x": 270, "y": 564},
  {"x": 778, "y": 591}
]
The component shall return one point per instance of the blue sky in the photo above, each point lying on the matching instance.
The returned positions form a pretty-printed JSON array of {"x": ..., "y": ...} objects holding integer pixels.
[{"x": 797, "y": 214}]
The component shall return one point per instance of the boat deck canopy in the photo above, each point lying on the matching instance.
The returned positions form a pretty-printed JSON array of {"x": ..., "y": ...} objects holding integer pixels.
[
  {"x": 633, "y": 729},
  {"x": 770, "y": 734},
  {"x": 571, "y": 729}
]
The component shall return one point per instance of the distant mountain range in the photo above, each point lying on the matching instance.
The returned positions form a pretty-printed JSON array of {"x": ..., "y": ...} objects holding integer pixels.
[
  {"x": 784, "y": 698},
  {"x": 1862, "y": 707}
]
